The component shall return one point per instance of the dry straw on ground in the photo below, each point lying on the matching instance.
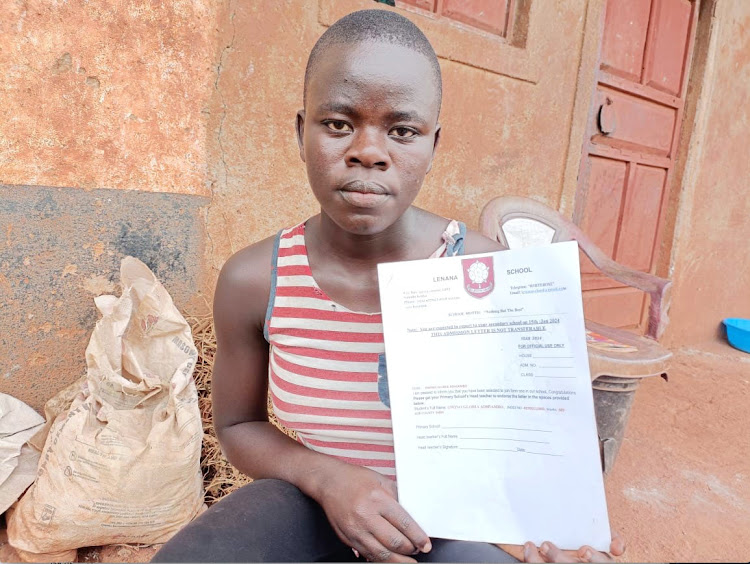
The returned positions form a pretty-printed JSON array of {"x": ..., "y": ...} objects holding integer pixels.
[{"x": 219, "y": 476}]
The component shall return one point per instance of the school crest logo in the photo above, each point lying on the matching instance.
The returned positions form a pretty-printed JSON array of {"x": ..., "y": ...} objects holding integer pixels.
[{"x": 479, "y": 276}]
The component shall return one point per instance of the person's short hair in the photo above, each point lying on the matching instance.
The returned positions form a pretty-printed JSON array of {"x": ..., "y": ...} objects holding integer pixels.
[{"x": 380, "y": 26}]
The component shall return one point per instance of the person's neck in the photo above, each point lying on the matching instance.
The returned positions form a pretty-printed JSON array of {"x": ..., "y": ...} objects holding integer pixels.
[{"x": 389, "y": 245}]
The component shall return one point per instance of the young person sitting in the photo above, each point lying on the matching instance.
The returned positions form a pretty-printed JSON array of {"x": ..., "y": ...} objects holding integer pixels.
[{"x": 299, "y": 313}]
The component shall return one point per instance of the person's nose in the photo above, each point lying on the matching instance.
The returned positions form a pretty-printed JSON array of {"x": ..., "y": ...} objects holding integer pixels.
[{"x": 368, "y": 149}]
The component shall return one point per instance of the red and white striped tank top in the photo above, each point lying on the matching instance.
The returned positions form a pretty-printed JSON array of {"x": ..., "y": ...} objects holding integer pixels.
[{"x": 324, "y": 360}]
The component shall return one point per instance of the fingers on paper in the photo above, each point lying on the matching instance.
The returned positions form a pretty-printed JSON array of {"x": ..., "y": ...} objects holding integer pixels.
[
  {"x": 376, "y": 550},
  {"x": 371, "y": 549},
  {"x": 617, "y": 547},
  {"x": 531, "y": 553},
  {"x": 588, "y": 554},
  {"x": 392, "y": 539},
  {"x": 407, "y": 528},
  {"x": 548, "y": 552}
]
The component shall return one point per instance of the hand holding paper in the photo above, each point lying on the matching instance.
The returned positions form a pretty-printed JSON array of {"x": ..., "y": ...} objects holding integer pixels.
[
  {"x": 548, "y": 552},
  {"x": 492, "y": 409}
]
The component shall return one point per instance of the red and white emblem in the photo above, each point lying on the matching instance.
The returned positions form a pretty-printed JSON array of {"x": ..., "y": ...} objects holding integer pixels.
[{"x": 479, "y": 276}]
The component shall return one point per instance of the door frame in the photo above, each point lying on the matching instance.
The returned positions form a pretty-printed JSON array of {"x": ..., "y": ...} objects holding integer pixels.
[{"x": 685, "y": 145}]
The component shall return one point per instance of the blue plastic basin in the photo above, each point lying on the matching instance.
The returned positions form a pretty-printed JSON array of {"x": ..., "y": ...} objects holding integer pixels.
[{"x": 738, "y": 333}]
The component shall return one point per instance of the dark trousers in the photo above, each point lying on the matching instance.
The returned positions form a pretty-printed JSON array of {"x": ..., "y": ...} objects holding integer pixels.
[{"x": 273, "y": 521}]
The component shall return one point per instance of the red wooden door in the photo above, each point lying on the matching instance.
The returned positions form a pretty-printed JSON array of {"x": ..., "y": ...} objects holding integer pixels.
[{"x": 629, "y": 153}]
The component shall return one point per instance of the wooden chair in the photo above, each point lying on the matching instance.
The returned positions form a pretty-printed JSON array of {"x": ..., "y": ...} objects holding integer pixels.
[{"x": 615, "y": 374}]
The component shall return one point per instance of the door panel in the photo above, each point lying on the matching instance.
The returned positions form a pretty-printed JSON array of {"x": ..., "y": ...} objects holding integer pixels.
[
  {"x": 639, "y": 125},
  {"x": 617, "y": 307},
  {"x": 484, "y": 14},
  {"x": 606, "y": 186},
  {"x": 424, "y": 4},
  {"x": 625, "y": 38},
  {"x": 489, "y": 15},
  {"x": 640, "y": 217},
  {"x": 664, "y": 68}
]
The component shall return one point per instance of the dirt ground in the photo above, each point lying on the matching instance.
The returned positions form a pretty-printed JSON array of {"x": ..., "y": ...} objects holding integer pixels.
[{"x": 680, "y": 489}]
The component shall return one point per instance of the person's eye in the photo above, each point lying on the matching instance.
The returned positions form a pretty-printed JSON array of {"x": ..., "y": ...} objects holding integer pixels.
[
  {"x": 338, "y": 126},
  {"x": 403, "y": 132}
]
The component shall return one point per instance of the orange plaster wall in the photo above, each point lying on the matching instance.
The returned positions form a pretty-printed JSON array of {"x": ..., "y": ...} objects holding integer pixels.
[
  {"x": 501, "y": 133},
  {"x": 104, "y": 94},
  {"x": 711, "y": 264},
  {"x": 104, "y": 133}
]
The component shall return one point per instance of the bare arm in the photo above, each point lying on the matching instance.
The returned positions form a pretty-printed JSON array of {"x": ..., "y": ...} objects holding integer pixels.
[
  {"x": 360, "y": 503},
  {"x": 240, "y": 378}
]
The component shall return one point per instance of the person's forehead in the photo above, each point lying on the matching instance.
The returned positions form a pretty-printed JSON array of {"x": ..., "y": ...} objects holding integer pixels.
[{"x": 359, "y": 69}]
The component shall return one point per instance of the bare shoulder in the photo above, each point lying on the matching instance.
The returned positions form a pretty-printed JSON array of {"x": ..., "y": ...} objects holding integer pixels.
[
  {"x": 244, "y": 285},
  {"x": 475, "y": 242}
]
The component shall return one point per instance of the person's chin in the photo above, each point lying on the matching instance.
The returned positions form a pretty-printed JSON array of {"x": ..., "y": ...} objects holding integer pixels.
[{"x": 364, "y": 223}]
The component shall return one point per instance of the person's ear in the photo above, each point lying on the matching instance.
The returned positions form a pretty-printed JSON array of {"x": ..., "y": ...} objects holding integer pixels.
[
  {"x": 300, "y": 127},
  {"x": 434, "y": 146}
]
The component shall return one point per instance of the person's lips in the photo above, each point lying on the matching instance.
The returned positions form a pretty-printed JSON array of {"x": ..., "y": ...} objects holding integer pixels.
[{"x": 364, "y": 194}]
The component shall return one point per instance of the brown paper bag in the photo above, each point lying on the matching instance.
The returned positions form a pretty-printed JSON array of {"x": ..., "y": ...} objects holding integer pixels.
[{"x": 121, "y": 463}]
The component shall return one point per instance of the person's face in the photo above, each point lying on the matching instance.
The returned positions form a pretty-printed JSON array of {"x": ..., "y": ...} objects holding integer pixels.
[{"x": 368, "y": 133}]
